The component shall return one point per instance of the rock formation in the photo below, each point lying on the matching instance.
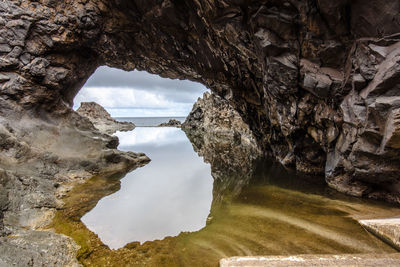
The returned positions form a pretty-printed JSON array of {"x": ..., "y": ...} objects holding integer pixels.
[
  {"x": 39, "y": 162},
  {"x": 220, "y": 136},
  {"x": 102, "y": 120},
  {"x": 171, "y": 123},
  {"x": 214, "y": 119},
  {"x": 317, "y": 81}
]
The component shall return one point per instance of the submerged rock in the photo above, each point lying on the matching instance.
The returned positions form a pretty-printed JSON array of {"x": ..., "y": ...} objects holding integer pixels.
[
  {"x": 387, "y": 229},
  {"x": 171, "y": 123},
  {"x": 102, "y": 120}
]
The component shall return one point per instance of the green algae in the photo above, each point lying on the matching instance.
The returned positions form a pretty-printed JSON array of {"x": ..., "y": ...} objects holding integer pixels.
[{"x": 263, "y": 219}]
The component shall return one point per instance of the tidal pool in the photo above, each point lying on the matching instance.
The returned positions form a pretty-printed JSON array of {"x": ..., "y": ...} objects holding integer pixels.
[
  {"x": 170, "y": 195},
  {"x": 179, "y": 211}
]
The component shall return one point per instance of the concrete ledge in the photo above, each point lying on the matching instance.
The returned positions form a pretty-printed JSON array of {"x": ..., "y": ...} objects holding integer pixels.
[
  {"x": 387, "y": 230},
  {"x": 372, "y": 260}
]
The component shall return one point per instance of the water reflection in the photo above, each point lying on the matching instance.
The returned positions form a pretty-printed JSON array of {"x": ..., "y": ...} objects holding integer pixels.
[
  {"x": 233, "y": 163},
  {"x": 171, "y": 194},
  {"x": 258, "y": 209}
]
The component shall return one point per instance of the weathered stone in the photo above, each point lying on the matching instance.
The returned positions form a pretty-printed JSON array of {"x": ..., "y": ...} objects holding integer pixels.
[
  {"x": 103, "y": 121},
  {"x": 4, "y": 78},
  {"x": 387, "y": 229},
  {"x": 16, "y": 52},
  {"x": 25, "y": 58},
  {"x": 5, "y": 48},
  {"x": 391, "y": 260},
  {"x": 34, "y": 248},
  {"x": 38, "y": 67}
]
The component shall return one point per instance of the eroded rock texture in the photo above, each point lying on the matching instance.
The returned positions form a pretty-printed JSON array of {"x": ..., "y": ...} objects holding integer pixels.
[
  {"x": 221, "y": 138},
  {"x": 316, "y": 80},
  {"x": 102, "y": 120}
]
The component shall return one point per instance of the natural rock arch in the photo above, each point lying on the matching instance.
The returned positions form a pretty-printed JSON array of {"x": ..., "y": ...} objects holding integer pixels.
[{"x": 316, "y": 80}]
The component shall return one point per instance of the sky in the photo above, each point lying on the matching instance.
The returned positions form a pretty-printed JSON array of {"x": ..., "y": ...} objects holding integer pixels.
[{"x": 139, "y": 94}]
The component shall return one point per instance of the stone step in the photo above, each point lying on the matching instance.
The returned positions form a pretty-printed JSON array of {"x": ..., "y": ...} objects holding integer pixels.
[
  {"x": 374, "y": 260},
  {"x": 387, "y": 230}
]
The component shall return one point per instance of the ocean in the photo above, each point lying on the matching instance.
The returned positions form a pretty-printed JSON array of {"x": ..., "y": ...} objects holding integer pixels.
[{"x": 149, "y": 121}]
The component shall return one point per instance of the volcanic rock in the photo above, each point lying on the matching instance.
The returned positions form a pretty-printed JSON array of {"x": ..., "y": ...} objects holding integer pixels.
[
  {"x": 102, "y": 120},
  {"x": 316, "y": 81}
]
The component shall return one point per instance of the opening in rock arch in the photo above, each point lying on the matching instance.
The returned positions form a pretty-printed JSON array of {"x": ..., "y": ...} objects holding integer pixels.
[
  {"x": 139, "y": 94},
  {"x": 172, "y": 193}
]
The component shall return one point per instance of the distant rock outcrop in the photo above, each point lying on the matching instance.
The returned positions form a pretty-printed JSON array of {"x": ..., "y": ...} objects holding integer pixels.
[
  {"x": 171, "y": 123},
  {"x": 102, "y": 120}
]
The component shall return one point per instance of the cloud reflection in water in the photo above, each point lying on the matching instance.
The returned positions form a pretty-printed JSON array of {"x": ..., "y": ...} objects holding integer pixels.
[{"x": 171, "y": 194}]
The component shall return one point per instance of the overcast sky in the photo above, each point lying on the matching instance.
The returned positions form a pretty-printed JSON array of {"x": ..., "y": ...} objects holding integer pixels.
[{"x": 139, "y": 94}]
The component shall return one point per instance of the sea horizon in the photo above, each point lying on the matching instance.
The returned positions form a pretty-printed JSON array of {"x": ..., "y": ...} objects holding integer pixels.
[{"x": 150, "y": 121}]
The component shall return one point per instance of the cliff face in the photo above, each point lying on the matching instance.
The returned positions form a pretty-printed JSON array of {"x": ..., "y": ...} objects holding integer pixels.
[{"x": 317, "y": 81}]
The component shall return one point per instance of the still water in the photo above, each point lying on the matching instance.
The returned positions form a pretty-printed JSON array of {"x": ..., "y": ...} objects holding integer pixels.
[
  {"x": 149, "y": 121},
  {"x": 171, "y": 194},
  {"x": 197, "y": 214}
]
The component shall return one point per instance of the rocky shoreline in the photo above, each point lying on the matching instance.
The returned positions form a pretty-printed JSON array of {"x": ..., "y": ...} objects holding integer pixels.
[
  {"x": 317, "y": 82},
  {"x": 40, "y": 162},
  {"x": 102, "y": 120}
]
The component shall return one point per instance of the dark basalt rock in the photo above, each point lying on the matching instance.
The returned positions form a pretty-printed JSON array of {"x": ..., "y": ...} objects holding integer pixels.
[{"x": 317, "y": 81}]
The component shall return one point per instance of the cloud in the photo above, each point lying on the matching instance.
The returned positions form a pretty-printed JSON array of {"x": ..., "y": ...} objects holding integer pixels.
[
  {"x": 139, "y": 93},
  {"x": 180, "y": 90}
]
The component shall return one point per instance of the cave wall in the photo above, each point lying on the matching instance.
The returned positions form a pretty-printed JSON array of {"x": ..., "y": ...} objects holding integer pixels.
[{"x": 316, "y": 80}]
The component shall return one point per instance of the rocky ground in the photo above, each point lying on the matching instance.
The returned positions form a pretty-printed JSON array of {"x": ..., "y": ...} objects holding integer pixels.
[
  {"x": 102, "y": 120},
  {"x": 39, "y": 163}
]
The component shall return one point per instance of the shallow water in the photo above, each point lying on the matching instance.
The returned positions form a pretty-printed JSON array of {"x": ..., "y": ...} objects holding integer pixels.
[
  {"x": 274, "y": 213},
  {"x": 171, "y": 194}
]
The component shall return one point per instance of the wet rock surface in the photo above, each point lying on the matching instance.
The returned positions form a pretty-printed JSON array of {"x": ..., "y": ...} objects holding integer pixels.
[
  {"x": 102, "y": 120},
  {"x": 39, "y": 163},
  {"x": 387, "y": 229}
]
